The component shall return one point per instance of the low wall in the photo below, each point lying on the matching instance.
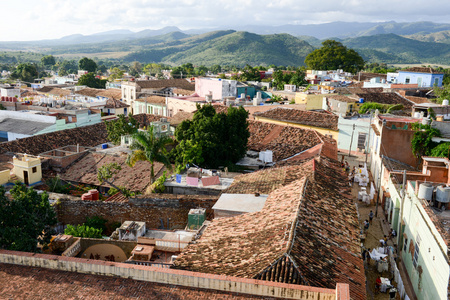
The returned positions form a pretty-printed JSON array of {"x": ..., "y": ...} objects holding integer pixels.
[{"x": 176, "y": 277}]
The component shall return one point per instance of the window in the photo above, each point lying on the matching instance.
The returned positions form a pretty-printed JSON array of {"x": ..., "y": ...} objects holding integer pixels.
[
  {"x": 436, "y": 81},
  {"x": 406, "y": 244},
  {"x": 407, "y": 80},
  {"x": 416, "y": 252},
  {"x": 34, "y": 170},
  {"x": 362, "y": 140}
]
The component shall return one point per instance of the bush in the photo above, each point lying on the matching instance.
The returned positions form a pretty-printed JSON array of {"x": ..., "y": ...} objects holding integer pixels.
[{"x": 83, "y": 231}]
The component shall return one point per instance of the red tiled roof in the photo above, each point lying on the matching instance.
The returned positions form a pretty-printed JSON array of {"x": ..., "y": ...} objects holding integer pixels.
[
  {"x": 183, "y": 92},
  {"x": 180, "y": 117},
  {"x": 54, "y": 91},
  {"x": 134, "y": 178},
  {"x": 165, "y": 83},
  {"x": 310, "y": 226},
  {"x": 386, "y": 98},
  {"x": 284, "y": 141},
  {"x": 153, "y": 100},
  {"x": 22, "y": 282},
  {"x": 307, "y": 118},
  {"x": 418, "y": 100},
  {"x": 343, "y": 98},
  {"x": 112, "y": 103}
]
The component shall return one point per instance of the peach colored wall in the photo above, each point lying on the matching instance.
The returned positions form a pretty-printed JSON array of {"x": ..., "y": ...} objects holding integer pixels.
[
  {"x": 205, "y": 86},
  {"x": 396, "y": 144}
]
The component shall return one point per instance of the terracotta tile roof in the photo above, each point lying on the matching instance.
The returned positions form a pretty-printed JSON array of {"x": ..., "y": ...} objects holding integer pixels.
[
  {"x": 393, "y": 164},
  {"x": 146, "y": 119},
  {"x": 88, "y": 136},
  {"x": 153, "y": 100},
  {"x": 386, "y": 98},
  {"x": 180, "y": 117},
  {"x": 115, "y": 94},
  {"x": 112, "y": 103},
  {"x": 421, "y": 70},
  {"x": 307, "y": 118},
  {"x": 134, "y": 178},
  {"x": 284, "y": 141},
  {"x": 165, "y": 83},
  {"x": 343, "y": 98},
  {"x": 90, "y": 92},
  {"x": 354, "y": 89},
  {"x": 54, "y": 91},
  {"x": 418, "y": 100},
  {"x": 118, "y": 197},
  {"x": 183, "y": 92},
  {"x": 308, "y": 229},
  {"x": 22, "y": 282}
]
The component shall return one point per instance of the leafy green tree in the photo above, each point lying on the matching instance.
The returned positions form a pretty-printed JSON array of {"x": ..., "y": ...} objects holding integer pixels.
[
  {"x": 422, "y": 143},
  {"x": 106, "y": 172},
  {"x": 91, "y": 81},
  {"x": 280, "y": 78},
  {"x": 87, "y": 64},
  {"x": 48, "y": 60},
  {"x": 83, "y": 231},
  {"x": 26, "y": 219},
  {"x": 334, "y": 55},
  {"x": 250, "y": 74},
  {"x": 441, "y": 150},
  {"x": 152, "y": 69},
  {"x": 121, "y": 126},
  {"x": 135, "y": 68},
  {"x": 147, "y": 146},
  {"x": 212, "y": 139},
  {"x": 200, "y": 71},
  {"x": 66, "y": 67},
  {"x": 115, "y": 73},
  {"x": 216, "y": 69},
  {"x": 25, "y": 72}
]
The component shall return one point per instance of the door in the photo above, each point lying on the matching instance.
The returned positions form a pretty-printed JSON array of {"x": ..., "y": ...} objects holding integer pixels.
[
  {"x": 419, "y": 81},
  {"x": 25, "y": 178}
]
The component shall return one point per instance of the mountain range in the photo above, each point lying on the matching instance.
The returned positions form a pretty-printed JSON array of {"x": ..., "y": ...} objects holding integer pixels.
[{"x": 388, "y": 42}]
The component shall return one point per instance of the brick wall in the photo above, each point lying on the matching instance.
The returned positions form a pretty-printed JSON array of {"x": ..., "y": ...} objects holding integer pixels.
[
  {"x": 172, "y": 207},
  {"x": 176, "y": 277}
]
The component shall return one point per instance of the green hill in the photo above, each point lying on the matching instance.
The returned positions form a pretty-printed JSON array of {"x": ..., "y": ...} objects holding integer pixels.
[
  {"x": 436, "y": 37},
  {"x": 234, "y": 48}
]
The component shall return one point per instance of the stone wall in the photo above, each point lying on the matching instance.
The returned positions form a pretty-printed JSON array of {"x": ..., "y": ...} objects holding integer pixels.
[{"x": 170, "y": 209}]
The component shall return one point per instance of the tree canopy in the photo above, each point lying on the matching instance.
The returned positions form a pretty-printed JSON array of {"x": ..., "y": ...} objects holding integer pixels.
[
  {"x": 212, "y": 139},
  {"x": 422, "y": 143},
  {"x": 280, "y": 78},
  {"x": 334, "y": 55},
  {"x": 25, "y": 72},
  {"x": 91, "y": 81},
  {"x": 87, "y": 64},
  {"x": 121, "y": 126},
  {"x": 25, "y": 220}
]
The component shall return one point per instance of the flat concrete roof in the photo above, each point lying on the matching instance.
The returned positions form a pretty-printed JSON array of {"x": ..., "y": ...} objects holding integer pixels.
[{"x": 244, "y": 203}]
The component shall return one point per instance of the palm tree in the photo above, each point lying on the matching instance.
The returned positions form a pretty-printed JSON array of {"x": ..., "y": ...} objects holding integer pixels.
[{"x": 147, "y": 147}]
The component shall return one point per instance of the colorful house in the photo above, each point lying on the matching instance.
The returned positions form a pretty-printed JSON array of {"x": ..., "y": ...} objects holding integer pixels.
[
  {"x": 423, "y": 77},
  {"x": 28, "y": 169}
]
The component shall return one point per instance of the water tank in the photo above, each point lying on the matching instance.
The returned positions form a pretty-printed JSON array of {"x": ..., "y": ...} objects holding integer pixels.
[
  {"x": 361, "y": 100},
  {"x": 425, "y": 121},
  {"x": 417, "y": 115},
  {"x": 445, "y": 102},
  {"x": 95, "y": 194},
  {"x": 104, "y": 146},
  {"x": 443, "y": 194},
  {"x": 86, "y": 196},
  {"x": 425, "y": 191}
]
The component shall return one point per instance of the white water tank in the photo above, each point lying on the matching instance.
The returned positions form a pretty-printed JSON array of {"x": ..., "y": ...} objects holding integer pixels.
[
  {"x": 445, "y": 102},
  {"x": 443, "y": 194},
  {"x": 425, "y": 121},
  {"x": 425, "y": 191},
  {"x": 417, "y": 115}
]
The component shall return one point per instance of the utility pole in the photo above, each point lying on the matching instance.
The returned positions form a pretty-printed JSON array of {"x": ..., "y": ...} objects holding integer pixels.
[{"x": 351, "y": 141}]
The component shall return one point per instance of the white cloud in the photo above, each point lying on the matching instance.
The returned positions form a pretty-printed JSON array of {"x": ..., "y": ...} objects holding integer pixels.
[{"x": 54, "y": 18}]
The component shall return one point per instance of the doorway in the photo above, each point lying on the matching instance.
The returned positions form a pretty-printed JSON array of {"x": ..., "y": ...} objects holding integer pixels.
[{"x": 25, "y": 178}]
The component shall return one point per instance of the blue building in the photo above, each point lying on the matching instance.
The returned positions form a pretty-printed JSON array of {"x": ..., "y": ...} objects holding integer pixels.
[
  {"x": 248, "y": 90},
  {"x": 422, "y": 76}
]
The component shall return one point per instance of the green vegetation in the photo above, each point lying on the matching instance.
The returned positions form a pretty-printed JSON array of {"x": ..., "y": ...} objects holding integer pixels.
[
  {"x": 83, "y": 231},
  {"x": 25, "y": 72},
  {"x": 121, "y": 126},
  {"x": 441, "y": 150},
  {"x": 212, "y": 139},
  {"x": 106, "y": 172},
  {"x": 96, "y": 222},
  {"x": 334, "y": 55},
  {"x": 55, "y": 185},
  {"x": 25, "y": 220},
  {"x": 280, "y": 78},
  {"x": 372, "y": 106},
  {"x": 87, "y": 64},
  {"x": 158, "y": 186},
  {"x": 421, "y": 143},
  {"x": 147, "y": 146},
  {"x": 91, "y": 81},
  {"x": 381, "y": 68}
]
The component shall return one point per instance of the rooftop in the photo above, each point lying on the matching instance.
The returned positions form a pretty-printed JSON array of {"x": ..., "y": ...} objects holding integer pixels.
[
  {"x": 54, "y": 91},
  {"x": 165, "y": 83},
  {"x": 308, "y": 118},
  {"x": 153, "y": 100},
  {"x": 21, "y": 126},
  {"x": 308, "y": 229},
  {"x": 386, "y": 98},
  {"x": 421, "y": 70},
  {"x": 286, "y": 141}
]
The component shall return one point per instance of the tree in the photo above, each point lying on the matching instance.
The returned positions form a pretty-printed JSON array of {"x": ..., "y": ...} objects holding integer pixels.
[
  {"x": 25, "y": 72},
  {"x": 48, "y": 60},
  {"x": 26, "y": 219},
  {"x": 106, "y": 172},
  {"x": 147, "y": 146},
  {"x": 66, "y": 67},
  {"x": 250, "y": 74},
  {"x": 422, "y": 143},
  {"x": 83, "y": 231},
  {"x": 96, "y": 222},
  {"x": 115, "y": 73},
  {"x": 216, "y": 69},
  {"x": 87, "y": 64},
  {"x": 334, "y": 55},
  {"x": 91, "y": 81},
  {"x": 212, "y": 139},
  {"x": 122, "y": 126},
  {"x": 441, "y": 150},
  {"x": 135, "y": 68},
  {"x": 280, "y": 78}
]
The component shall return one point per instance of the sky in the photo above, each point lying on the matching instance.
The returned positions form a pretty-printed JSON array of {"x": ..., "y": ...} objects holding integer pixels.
[{"x": 25, "y": 20}]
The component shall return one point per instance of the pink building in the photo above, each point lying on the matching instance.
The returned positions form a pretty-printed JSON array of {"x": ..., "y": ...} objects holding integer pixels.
[{"x": 218, "y": 88}]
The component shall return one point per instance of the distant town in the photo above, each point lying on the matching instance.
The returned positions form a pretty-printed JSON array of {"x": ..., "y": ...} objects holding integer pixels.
[{"x": 326, "y": 181}]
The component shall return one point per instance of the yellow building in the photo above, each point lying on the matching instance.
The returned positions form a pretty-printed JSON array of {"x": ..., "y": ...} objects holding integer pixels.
[
  {"x": 28, "y": 169},
  {"x": 4, "y": 176}
]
